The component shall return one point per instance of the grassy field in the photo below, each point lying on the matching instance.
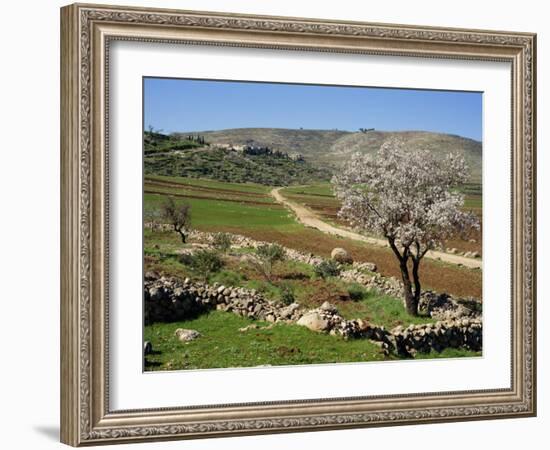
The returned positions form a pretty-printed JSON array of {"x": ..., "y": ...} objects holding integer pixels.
[
  {"x": 247, "y": 209},
  {"x": 223, "y": 345},
  {"x": 309, "y": 290}
]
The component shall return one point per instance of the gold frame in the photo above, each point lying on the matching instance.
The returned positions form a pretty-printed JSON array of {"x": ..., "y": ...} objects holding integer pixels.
[{"x": 86, "y": 31}]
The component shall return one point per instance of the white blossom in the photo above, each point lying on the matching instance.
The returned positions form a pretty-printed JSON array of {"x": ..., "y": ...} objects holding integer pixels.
[{"x": 405, "y": 194}]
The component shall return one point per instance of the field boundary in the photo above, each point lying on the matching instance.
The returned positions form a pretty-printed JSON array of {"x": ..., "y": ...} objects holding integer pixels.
[{"x": 310, "y": 219}]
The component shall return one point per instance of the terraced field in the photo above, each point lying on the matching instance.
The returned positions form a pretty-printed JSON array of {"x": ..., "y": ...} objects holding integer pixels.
[
  {"x": 249, "y": 210},
  {"x": 320, "y": 199}
]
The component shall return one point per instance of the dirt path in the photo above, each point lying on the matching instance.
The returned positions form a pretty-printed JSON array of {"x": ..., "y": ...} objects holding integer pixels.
[{"x": 310, "y": 219}]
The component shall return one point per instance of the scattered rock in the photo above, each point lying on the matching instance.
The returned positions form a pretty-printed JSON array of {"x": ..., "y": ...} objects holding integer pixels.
[
  {"x": 340, "y": 255},
  {"x": 169, "y": 299},
  {"x": 313, "y": 321},
  {"x": 185, "y": 335},
  {"x": 326, "y": 306}
]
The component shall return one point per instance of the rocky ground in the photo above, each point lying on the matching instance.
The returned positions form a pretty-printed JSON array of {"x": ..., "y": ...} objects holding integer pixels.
[{"x": 459, "y": 322}]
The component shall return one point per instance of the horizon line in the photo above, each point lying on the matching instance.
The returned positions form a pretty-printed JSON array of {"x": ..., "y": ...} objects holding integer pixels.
[{"x": 161, "y": 131}]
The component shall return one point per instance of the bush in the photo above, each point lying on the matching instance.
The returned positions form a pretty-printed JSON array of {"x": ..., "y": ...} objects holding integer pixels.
[
  {"x": 222, "y": 242},
  {"x": 267, "y": 256},
  {"x": 287, "y": 293},
  {"x": 206, "y": 262},
  {"x": 356, "y": 292},
  {"x": 327, "y": 268},
  {"x": 271, "y": 252},
  {"x": 186, "y": 259}
]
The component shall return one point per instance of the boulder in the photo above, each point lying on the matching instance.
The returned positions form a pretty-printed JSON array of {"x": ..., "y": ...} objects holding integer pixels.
[
  {"x": 288, "y": 311},
  {"x": 313, "y": 321},
  {"x": 185, "y": 335},
  {"x": 329, "y": 307},
  {"x": 340, "y": 255}
]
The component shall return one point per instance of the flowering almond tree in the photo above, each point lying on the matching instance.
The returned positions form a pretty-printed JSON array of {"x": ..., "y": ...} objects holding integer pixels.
[{"x": 405, "y": 194}]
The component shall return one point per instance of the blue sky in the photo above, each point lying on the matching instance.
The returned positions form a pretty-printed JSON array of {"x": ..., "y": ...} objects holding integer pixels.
[{"x": 197, "y": 105}]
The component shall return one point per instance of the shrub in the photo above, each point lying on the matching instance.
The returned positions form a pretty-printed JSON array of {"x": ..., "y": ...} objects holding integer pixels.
[
  {"x": 266, "y": 257},
  {"x": 287, "y": 293},
  {"x": 222, "y": 242},
  {"x": 272, "y": 252},
  {"x": 327, "y": 268},
  {"x": 356, "y": 292},
  {"x": 186, "y": 259},
  {"x": 206, "y": 262}
]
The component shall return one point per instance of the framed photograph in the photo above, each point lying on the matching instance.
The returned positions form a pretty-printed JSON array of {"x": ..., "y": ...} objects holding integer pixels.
[{"x": 276, "y": 224}]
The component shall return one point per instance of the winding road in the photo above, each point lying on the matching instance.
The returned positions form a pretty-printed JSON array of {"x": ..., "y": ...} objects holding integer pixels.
[{"x": 310, "y": 219}]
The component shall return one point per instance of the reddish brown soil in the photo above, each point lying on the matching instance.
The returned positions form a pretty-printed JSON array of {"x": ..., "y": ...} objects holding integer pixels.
[
  {"x": 218, "y": 198},
  {"x": 434, "y": 275},
  {"x": 329, "y": 210},
  {"x": 182, "y": 185}
]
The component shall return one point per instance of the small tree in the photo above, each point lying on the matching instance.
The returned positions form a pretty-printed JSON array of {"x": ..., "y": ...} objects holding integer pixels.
[
  {"x": 287, "y": 293},
  {"x": 178, "y": 215},
  {"x": 222, "y": 242},
  {"x": 327, "y": 268},
  {"x": 267, "y": 256},
  {"x": 405, "y": 194},
  {"x": 206, "y": 262},
  {"x": 152, "y": 218}
]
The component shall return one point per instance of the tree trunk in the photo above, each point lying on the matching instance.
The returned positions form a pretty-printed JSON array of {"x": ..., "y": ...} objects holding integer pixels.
[
  {"x": 411, "y": 300},
  {"x": 416, "y": 278},
  {"x": 182, "y": 235}
]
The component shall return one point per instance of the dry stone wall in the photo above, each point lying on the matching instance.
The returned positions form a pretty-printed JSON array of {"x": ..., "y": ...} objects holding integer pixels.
[
  {"x": 458, "y": 325},
  {"x": 169, "y": 299},
  {"x": 438, "y": 306}
]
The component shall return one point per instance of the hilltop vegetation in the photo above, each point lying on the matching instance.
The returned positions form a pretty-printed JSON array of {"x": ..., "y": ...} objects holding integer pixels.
[
  {"x": 328, "y": 148},
  {"x": 199, "y": 158}
]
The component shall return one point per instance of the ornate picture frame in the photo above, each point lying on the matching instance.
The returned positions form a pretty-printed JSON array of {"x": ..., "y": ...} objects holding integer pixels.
[{"x": 87, "y": 31}]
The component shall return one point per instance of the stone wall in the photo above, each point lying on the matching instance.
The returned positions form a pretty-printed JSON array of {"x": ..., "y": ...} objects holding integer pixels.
[
  {"x": 438, "y": 306},
  {"x": 458, "y": 323},
  {"x": 169, "y": 299},
  {"x": 454, "y": 333}
]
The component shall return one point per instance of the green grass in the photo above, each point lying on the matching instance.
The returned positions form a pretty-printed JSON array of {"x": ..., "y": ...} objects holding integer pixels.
[
  {"x": 222, "y": 345},
  {"x": 203, "y": 182},
  {"x": 191, "y": 192},
  {"x": 207, "y": 213},
  {"x": 473, "y": 201},
  {"x": 449, "y": 353},
  {"x": 353, "y": 300},
  {"x": 319, "y": 189},
  {"x": 381, "y": 309}
]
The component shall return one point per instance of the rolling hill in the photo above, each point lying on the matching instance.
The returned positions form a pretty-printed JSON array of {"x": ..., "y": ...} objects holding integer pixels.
[
  {"x": 328, "y": 148},
  {"x": 182, "y": 157}
]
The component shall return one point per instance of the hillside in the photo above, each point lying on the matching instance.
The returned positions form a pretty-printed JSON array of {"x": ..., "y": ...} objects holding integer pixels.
[
  {"x": 328, "y": 148},
  {"x": 198, "y": 158}
]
